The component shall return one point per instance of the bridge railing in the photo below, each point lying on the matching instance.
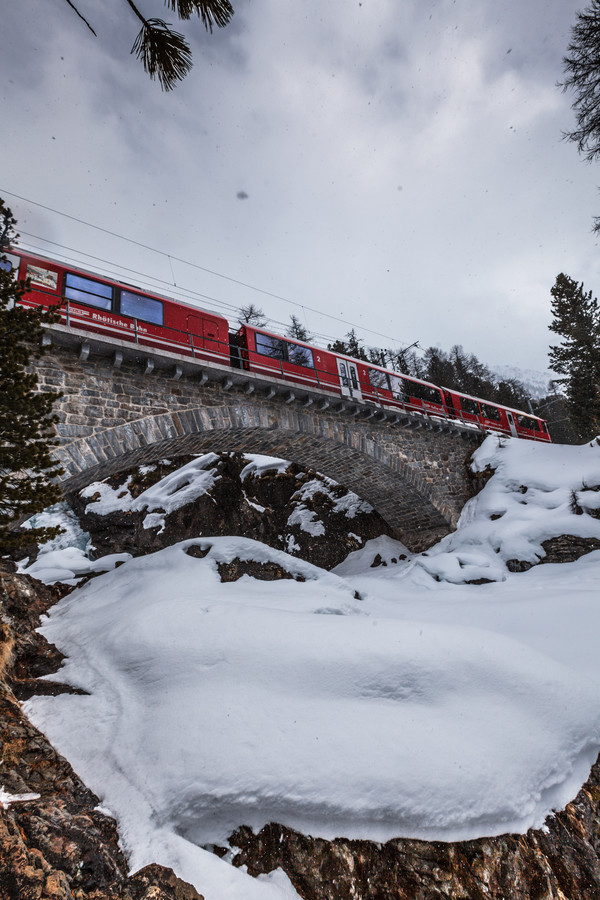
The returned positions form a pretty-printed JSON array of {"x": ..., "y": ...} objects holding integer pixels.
[{"x": 199, "y": 347}]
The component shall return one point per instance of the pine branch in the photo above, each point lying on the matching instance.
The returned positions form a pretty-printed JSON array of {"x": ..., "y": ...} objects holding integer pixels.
[
  {"x": 217, "y": 12},
  {"x": 165, "y": 54},
  {"x": 74, "y": 8}
]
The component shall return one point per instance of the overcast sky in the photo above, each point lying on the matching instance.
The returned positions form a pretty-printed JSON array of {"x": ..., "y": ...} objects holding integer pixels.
[{"x": 395, "y": 164}]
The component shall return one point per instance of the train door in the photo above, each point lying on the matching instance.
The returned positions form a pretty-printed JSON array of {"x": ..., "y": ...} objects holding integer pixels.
[
  {"x": 205, "y": 334},
  {"x": 511, "y": 424},
  {"x": 349, "y": 382},
  {"x": 450, "y": 411}
]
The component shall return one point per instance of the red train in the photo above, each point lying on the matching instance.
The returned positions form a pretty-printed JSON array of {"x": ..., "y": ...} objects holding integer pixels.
[{"x": 97, "y": 304}]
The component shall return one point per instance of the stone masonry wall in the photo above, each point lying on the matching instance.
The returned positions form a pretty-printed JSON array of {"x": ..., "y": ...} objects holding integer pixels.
[{"x": 113, "y": 417}]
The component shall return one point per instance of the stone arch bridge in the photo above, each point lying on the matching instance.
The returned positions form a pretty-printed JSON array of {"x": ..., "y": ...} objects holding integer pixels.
[{"x": 124, "y": 405}]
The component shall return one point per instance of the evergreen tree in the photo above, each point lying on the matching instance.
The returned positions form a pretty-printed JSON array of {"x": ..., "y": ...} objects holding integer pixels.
[
  {"x": 553, "y": 408},
  {"x": 461, "y": 371},
  {"x": 510, "y": 392},
  {"x": 577, "y": 357},
  {"x": 379, "y": 356},
  {"x": 26, "y": 466},
  {"x": 406, "y": 362},
  {"x": 439, "y": 369},
  {"x": 352, "y": 346},
  {"x": 297, "y": 330},
  {"x": 582, "y": 70}
]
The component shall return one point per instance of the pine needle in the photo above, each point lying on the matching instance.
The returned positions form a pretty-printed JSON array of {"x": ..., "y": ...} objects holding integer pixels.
[
  {"x": 165, "y": 54},
  {"x": 217, "y": 12}
]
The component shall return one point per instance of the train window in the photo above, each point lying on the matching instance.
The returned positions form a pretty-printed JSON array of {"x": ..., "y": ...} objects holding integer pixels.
[
  {"x": 379, "y": 379},
  {"x": 270, "y": 346},
  {"x": 528, "y": 422},
  {"x": 469, "y": 406},
  {"x": 140, "y": 307},
  {"x": 300, "y": 356},
  {"x": 490, "y": 412},
  {"x": 285, "y": 351},
  {"x": 423, "y": 391},
  {"x": 397, "y": 386},
  {"x": 10, "y": 262},
  {"x": 85, "y": 290}
]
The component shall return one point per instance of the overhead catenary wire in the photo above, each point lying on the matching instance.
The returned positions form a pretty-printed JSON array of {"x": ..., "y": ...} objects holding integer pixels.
[
  {"x": 213, "y": 272},
  {"x": 149, "y": 281}
]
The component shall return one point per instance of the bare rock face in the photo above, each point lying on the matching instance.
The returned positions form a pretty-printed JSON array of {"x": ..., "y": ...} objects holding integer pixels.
[
  {"x": 273, "y": 507},
  {"x": 568, "y": 548},
  {"x": 561, "y": 862},
  {"x": 562, "y": 549},
  {"x": 158, "y": 883}
]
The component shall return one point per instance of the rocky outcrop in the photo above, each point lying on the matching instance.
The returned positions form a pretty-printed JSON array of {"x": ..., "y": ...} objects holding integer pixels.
[
  {"x": 568, "y": 548},
  {"x": 158, "y": 883},
  {"x": 562, "y": 549},
  {"x": 259, "y": 507},
  {"x": 559, "y": 862}
]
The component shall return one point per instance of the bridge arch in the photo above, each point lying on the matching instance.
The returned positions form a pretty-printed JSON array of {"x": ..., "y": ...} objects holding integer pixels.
[{"x": 115, "y": 416}]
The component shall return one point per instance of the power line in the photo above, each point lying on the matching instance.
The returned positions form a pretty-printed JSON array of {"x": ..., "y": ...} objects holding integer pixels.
[
  {"x": 149, "y": 281},
  {"x": 187, "y": 262}
]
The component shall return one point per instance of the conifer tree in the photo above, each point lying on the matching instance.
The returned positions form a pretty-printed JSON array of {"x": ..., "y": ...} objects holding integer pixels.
[
  {"x": 352, "y": 346},
  {"x": 26, "y": 466},
  {"x": 582, "y": 71},
  {"x": 577, "y": 357},
  {"x": 297, "y": 330},
  {"x": 405, "y": 361}
]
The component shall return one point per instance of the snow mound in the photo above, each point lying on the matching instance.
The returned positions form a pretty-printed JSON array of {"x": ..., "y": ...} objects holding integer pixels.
[
  {"x": 69, "y": 565},
  {"x": 537, "y": 492},
  {"x": 382, "y": 551},
  {"x": 371, "y": 702}
]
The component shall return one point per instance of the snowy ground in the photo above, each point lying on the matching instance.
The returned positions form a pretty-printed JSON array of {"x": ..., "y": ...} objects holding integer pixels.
[{"x": 367, "y": 702}]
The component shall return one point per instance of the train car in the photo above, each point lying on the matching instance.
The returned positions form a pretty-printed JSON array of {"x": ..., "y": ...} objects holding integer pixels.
[
  {"x": 297, "y": 361},
  {"x": 403, "y": 391},
  {"x": 287, "y": 358},
  {"x": 122, "y": 311},
  {"x": 495, "y": 417}
]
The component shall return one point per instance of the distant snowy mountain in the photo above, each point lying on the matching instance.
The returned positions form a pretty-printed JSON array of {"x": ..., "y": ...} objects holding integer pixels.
[{"x": 536, "y": 382}]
